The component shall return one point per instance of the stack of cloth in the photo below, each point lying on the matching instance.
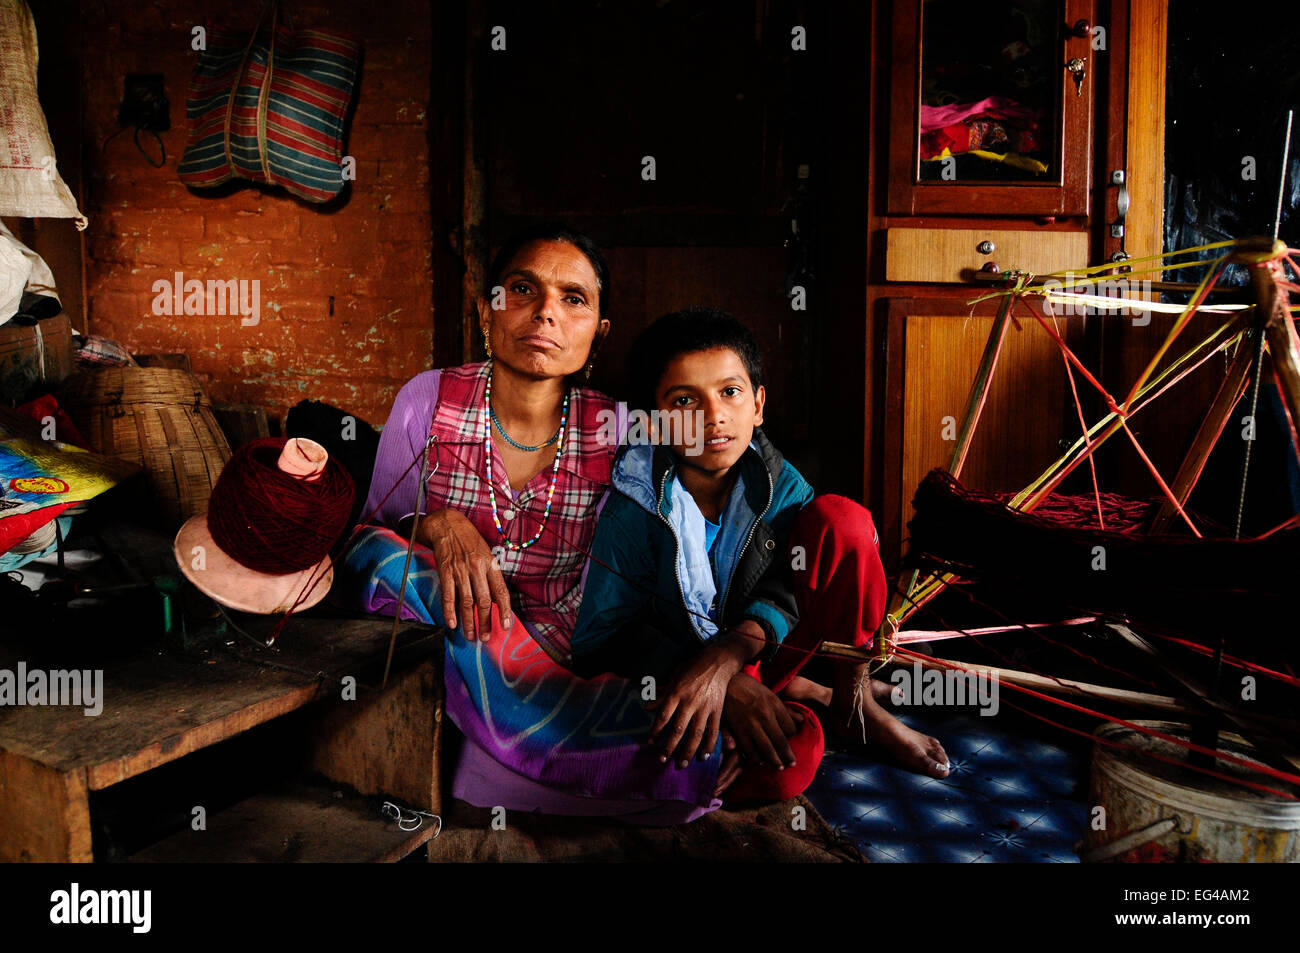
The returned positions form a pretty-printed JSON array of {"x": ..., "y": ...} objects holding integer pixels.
[{"x": 980, "y": 128}]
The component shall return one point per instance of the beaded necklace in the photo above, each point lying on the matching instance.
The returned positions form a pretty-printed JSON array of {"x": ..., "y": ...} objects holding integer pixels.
[
  {"x": 487, "y": 453},
  {"x": 515, "y": 443}
]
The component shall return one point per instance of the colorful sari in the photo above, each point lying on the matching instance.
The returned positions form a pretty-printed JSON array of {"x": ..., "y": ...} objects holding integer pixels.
[{"x": 537, "y": 736}]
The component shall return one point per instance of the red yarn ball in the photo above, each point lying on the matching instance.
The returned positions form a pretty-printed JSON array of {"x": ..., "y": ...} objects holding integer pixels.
[{"x": 276, "y": 522}]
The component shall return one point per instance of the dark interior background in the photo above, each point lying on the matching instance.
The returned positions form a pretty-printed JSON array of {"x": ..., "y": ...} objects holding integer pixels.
[
  {"x": 1222, "y": 107},
  {"x": 731, "y": 114}
]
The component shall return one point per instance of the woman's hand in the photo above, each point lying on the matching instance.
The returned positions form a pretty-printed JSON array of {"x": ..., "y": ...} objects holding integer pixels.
[
  {"x": 760, "y": 722},
  {"x": 467, "y": 571}
]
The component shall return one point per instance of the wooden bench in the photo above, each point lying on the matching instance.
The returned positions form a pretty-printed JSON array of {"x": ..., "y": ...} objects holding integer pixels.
[{"x": 161, "y": 706}]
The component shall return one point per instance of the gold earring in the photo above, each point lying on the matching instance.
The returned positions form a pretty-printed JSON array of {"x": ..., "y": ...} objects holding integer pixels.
[
  {"x": 587, "y": 373},
  {"x": 487, "y": 345}
]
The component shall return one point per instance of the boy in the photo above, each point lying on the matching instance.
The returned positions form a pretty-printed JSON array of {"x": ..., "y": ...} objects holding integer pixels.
[{"x": 709, "y": 553}]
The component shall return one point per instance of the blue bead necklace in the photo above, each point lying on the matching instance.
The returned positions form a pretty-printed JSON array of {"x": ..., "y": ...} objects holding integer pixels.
[
  {"x": 516, "y": 444},
  {"x": 487, "y": 453}
]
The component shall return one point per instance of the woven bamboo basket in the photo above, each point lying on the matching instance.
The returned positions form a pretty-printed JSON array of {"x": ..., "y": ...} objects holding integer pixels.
[{"x": 159, "y": 418}]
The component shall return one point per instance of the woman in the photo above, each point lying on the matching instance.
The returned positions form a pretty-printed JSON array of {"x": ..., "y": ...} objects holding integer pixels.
[{"x": 518, "y": 467}]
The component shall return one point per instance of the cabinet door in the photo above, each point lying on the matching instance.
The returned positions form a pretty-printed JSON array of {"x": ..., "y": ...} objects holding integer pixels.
[
  {"x": 932, "y": 356},
  {"x": 989, "y": 117}
]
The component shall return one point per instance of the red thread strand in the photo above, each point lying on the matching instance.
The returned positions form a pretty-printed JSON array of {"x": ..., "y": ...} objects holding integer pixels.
[
  {"x": 1232, "y": 659},
  {"x": 1164, "y": 736}
]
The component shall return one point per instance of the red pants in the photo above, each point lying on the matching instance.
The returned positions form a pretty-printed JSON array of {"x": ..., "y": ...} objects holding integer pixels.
[{"x": 841, "y": 592}]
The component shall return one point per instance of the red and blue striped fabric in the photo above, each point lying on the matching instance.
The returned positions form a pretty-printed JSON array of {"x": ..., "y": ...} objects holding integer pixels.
[{"x": 299, "y": 143}]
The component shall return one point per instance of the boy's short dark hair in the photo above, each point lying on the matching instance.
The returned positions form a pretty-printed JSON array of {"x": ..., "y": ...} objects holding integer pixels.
[{"x": 687, "y": 332}]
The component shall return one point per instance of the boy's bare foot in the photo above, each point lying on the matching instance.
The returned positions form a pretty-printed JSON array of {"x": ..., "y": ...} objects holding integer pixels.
[
  {"x": 915, "y": 751},
  {"x": 802, "y": 689}
]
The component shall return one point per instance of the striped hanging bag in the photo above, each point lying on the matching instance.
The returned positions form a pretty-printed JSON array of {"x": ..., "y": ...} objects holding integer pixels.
[{"x": 271, "y": 108}]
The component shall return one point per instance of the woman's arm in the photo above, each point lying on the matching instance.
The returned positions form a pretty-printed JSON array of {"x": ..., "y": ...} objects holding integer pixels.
[
  {"x": 397, "y": 463},
  {"x": 468, "y": 575}
]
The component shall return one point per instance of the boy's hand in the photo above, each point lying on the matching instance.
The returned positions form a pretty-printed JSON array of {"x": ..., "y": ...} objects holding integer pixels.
[
  {"x": 760, "y": 722},
  {"x": 729, "y": 772},
  {"x": 690, "y": 714}
]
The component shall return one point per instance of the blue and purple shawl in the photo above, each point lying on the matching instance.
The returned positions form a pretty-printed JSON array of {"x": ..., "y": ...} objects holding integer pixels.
[{"x": 539, "y": 737}]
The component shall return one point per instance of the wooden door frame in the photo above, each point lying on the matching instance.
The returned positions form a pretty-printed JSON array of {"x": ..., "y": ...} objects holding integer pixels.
[{"x": 446, "y": 134}]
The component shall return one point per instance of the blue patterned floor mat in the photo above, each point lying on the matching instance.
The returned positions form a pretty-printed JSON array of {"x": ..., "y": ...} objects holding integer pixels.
[{"x": 1008, "y": 798}]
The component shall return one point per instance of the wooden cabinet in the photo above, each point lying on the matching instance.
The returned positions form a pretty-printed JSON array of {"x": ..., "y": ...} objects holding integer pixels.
[
  {"x": 919, "y": 254},
  {"x": 992, "y": 107},
  {"x": 988, "y": 156}
]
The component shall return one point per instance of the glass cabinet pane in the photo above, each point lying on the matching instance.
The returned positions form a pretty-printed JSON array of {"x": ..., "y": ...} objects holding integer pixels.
[{"x": 990, "y": 91}]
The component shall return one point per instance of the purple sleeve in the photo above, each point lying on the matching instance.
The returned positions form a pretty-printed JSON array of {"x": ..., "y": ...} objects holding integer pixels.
[{"x": 400, "y": 443}]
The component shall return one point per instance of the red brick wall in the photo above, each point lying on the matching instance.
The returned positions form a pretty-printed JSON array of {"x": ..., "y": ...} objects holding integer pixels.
[{"x": 372, "y": 255}]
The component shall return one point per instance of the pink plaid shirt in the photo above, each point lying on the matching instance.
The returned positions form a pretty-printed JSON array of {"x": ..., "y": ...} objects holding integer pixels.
[{"x": 545, "y": 578}]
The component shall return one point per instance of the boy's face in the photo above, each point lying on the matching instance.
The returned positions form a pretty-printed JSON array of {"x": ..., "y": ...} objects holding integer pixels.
[{"x": 711, "y": 407}]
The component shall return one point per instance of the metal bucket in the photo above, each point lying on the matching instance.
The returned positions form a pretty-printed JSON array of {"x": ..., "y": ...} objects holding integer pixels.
[{"x": 1157, "y": 812}]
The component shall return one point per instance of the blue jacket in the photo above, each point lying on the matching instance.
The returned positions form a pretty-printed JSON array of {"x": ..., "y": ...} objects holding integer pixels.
[{"x": 659, "y": 607}]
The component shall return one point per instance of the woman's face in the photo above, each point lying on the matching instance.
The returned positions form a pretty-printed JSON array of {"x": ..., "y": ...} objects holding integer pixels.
[{"x": 545, "y": 319}]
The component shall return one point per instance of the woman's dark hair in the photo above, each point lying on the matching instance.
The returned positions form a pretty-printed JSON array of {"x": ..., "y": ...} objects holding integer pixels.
[
  {"x": 551, "y": 232},
  {"x": 686, "y": 332}
]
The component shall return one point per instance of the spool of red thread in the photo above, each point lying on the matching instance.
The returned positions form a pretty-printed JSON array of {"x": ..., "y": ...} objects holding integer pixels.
[
  {"x": 275, "y": 513},
  {"x": 280, "y": 505}
]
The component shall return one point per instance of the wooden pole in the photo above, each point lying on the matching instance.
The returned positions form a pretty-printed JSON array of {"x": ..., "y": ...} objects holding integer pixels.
[
  {"x": 1180, "y": 286},
  {"x": 1064, "y": 686},
  {"x": 1272, "y": 325},
  {"x": 1072, "y": 687},
  {"x": 1279, "y": 331},
  {"x": 1208, "y": 434},
  {"x": 979, "y": 391}
]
